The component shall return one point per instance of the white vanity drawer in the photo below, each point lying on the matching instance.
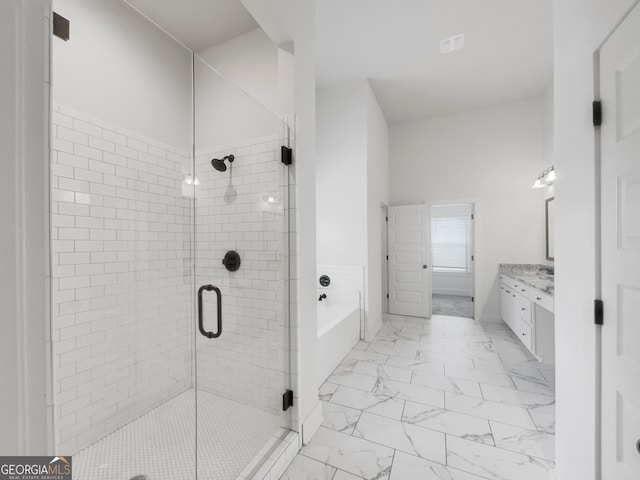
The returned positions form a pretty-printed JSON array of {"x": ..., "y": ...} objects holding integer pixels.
[
  {"x": 523, "y": 309},
  {"x": 523, "y": 332},
  {"x": 542, "y": 299}
]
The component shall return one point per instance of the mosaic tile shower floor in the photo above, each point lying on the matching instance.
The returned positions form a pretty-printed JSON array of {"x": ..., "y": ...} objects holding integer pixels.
[{"x": 160, "y": 445}]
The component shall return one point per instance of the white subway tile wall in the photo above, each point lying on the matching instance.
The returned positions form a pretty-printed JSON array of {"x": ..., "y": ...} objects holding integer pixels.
[
  {"x": 244, "y": 209},
  {"x": 122, "y": 213},
  {"x": 121, "y": 326}
]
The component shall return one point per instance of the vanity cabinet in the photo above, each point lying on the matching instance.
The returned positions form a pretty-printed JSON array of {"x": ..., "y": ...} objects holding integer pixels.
[{"x": 521, "y": 305}]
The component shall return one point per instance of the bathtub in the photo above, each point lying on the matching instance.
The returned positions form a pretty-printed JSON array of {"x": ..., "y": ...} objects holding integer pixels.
[{"x": 338, "y": 328}]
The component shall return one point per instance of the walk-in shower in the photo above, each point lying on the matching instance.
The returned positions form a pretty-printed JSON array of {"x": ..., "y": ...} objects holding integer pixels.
[{"x": 166, "y": 363}]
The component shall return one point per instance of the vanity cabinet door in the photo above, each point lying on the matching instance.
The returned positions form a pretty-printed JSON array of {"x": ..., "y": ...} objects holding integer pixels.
[{"x": 506, "y": 304}]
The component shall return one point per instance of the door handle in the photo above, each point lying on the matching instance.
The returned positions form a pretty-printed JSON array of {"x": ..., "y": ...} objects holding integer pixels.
[{"x": 200, "y": 319}]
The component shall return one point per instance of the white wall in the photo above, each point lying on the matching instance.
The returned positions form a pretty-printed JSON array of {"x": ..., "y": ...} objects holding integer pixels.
[
  {"x": 490, "y": 157},
  {"x": 377, "y": 195},
  {"x": 352, "y": 183},
  {"x": 579, "y": 27},
  {"x": 237, "y": 91},
  {"x": 24, "y": 236},
  {"x": 225, "y": 114},
  {"x": 119, "y": 67},
  {"x": 251, "y": 62},
  {"x": 341, "y": 175}
]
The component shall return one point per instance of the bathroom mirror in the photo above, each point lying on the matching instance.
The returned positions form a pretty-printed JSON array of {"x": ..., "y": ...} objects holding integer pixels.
[{"x": 549, "y": 214}]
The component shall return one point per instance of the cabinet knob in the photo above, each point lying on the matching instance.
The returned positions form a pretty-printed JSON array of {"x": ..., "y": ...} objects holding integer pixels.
[
  {"x": 523, "y": 290},
  {"x": 514, "y": 296},
  {"x": 523, "y": 308},
  {"x": 524, "y": 334},
  {"x": 424, "y": 266},
  {"x": 538, "y": 298}
]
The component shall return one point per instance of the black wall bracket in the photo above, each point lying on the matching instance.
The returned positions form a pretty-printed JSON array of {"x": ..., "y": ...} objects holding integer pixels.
[
  {"x": 287, "y": 155},
  {"x": 287, "y": 400}
]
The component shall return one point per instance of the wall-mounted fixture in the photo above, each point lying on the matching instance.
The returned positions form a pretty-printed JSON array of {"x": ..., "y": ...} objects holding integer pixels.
[
  {"x": 219, "y": 164},
  {"x": 231, "y": 260},
  {"x": 546, "y": 178}
]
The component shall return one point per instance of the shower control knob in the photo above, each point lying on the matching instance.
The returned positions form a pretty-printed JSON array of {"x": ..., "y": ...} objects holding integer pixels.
[{"x": 231, "y": 261}]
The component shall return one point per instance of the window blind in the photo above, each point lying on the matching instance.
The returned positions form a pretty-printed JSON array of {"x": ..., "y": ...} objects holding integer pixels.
[{"x": 450, "y": 243}]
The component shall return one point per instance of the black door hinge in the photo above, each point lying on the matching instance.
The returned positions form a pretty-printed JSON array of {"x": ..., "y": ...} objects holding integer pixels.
[
  {"x": 287, "y": 400},
  {"x": 597, "y": 113},
  {"x": 472, "y": 300},
  {"x": 472, "y": 216},
  {"x": 287, "y": 155},
  {"x": 60, "y": 27},
  {"x": 387, "y": 257},
  {"x": 472, "y": 257},
  {"x": 598, "y": 312},
  {"x": 386, "y": 219},
  {"x": 387, "y": 295}
]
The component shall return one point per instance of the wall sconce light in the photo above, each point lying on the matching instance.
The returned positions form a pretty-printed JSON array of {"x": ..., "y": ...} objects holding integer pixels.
[{"x": 546, "y": 178}]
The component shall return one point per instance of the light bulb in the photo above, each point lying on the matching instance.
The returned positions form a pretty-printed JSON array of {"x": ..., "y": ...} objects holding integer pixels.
[
  {"x": 188, "y": 180},
  {"x": 196, "y": 181},
  {"x": 538, "y": 183}
]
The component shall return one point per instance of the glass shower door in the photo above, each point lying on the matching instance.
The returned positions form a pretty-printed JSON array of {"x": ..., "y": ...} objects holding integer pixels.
[
  {"x": 122, "y": 329},
  {"x": 240, "y": 251}
]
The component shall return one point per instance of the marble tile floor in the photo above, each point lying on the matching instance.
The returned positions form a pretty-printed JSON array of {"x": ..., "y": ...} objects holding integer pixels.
[
  {"x": 451, "y": 305},
  {"x": 445, "y": 398}
]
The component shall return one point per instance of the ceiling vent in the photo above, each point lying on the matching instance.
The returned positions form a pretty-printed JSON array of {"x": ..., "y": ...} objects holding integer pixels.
[{"x": 452, "y": 44}]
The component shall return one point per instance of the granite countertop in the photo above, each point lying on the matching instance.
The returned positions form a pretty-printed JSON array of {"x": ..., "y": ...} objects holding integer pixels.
[{"x": 538, "y": 276}]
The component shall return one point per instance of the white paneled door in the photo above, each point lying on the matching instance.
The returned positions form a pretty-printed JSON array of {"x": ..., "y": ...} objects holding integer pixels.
[
  {"x": 409, "y": 274},
  {"x": 620, "y": 85}
]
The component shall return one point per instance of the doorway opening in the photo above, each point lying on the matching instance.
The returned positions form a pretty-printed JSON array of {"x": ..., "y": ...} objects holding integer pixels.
[{"x": 452, "y": 260}]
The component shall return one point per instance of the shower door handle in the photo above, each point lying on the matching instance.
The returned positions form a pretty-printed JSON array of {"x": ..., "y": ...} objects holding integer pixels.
[{"x": 200, "y": 319}]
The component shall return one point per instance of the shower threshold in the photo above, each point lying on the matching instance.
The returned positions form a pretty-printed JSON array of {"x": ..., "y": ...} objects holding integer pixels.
[{"x": 161, "y": 444}]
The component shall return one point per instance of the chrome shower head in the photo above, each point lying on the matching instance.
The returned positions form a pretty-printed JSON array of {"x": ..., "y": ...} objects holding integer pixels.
[{"x": 219, "y": 164}]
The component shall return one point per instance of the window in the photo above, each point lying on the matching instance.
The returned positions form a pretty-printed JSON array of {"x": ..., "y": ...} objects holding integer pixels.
[{"x": 450, "y": 244}]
